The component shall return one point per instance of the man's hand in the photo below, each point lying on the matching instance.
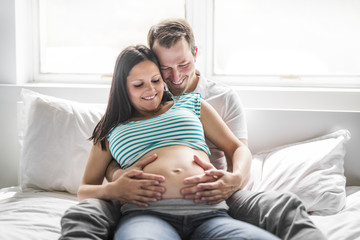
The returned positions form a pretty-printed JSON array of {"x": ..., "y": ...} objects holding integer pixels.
[
  {"x": 211, "y": 187},
  {"x": 132, "y": 185}
]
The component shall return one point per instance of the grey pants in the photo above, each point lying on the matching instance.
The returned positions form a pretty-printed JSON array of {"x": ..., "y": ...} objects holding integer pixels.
[
  {"x": 282, "y": 214},
  {"x": 90, "y": 219}
]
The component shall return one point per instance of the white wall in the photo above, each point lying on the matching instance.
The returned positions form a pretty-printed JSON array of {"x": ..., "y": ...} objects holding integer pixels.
[
  {"x": 7, "y": 41},
  {"x": 14, "y": 71}
]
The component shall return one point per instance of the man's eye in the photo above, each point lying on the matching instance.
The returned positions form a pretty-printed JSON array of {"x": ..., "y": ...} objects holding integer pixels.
[{"x": 184, "y": 65}]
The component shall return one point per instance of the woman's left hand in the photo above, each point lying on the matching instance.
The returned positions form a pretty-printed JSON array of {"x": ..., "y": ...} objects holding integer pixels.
[{"x": 211, "y": 187}]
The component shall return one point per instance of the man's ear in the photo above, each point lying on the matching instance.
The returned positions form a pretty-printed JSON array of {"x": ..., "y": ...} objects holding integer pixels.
[{"x": 195, "y": 53}]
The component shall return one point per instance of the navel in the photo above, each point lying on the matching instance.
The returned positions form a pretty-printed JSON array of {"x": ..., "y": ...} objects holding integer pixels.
[{"x": 177, "y": 170}]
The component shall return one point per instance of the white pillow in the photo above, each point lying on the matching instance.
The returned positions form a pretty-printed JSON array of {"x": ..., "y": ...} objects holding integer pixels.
[
  {"x": 54, "y": 147},
  {"x": 312, "y": 169}
]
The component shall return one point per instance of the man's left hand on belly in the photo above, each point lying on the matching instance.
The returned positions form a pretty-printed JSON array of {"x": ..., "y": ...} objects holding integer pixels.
[{"x": 212, "y": 187}]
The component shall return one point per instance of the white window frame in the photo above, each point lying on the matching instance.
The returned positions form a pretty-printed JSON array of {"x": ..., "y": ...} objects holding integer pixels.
[
  {"x": 39, "y": 77},
  {"x": 204, "y": 31}
]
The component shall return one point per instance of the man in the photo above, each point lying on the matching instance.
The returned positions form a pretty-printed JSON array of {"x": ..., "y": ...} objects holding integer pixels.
[{"x": 282, "y": 214}]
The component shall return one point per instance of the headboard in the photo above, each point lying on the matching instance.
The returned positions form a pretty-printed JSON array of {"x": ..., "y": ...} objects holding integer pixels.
[{"x": 270, "y": 128}]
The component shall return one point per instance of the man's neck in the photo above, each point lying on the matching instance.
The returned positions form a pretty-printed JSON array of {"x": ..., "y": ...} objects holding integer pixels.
[{"x": 194, "y": 82}]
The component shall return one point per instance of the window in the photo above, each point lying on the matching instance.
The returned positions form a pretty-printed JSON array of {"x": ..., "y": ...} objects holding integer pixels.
[
  {"x": 241, "y": 42},
  {"x": 81, "y": 39},
  {"x": 280, "y": 42}
]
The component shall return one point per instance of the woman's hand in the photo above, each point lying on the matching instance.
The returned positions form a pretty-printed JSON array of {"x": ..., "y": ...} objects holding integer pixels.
[
  {"x": 213, "y": 186},
  {"x": 132, "y": 185}
]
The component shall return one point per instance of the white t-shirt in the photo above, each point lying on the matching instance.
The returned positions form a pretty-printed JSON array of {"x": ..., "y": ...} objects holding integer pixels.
[{"x": 228, "y": 105}]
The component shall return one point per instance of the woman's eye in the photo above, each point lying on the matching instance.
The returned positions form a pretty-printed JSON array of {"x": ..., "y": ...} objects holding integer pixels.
[
  {"x": 156, "y": 80},
  {"x": 138, "y": 85}
]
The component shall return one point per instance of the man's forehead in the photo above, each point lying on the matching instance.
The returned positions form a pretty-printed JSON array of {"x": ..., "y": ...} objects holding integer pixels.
[
  {"x": 174, "y": 55},
  {"x": 179, "y": 44}
]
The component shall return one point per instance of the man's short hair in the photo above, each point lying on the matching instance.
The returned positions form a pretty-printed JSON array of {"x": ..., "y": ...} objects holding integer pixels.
[{"x": 168, "y": 32}]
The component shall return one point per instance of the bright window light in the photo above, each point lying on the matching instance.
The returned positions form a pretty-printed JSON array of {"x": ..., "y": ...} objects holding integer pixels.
[
  {"x": 86, "y": 36},
  {"x": 298, "y": 38}
]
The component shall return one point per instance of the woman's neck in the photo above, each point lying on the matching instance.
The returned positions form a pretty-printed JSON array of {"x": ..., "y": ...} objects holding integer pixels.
[{"x": 163, "y": 107}]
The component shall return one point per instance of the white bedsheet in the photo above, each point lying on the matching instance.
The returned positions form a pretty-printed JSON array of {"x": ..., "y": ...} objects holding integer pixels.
[
  {"x": 344, "y": 225},
  {"x": 34, "y": 214}
]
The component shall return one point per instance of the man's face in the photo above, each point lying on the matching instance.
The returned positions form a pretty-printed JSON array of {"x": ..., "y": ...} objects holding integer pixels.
[{"x": 177, "y": 67}]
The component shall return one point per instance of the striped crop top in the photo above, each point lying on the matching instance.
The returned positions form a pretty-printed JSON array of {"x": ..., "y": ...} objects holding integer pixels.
[{"x": 180, "y": 125}]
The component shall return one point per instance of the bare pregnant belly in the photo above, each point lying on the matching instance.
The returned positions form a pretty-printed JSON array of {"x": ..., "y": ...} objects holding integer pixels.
[{"x": 175, "y": 163}]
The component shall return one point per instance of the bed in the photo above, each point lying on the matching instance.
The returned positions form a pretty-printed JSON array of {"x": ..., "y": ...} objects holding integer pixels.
[{"x": 314, "y": 154}]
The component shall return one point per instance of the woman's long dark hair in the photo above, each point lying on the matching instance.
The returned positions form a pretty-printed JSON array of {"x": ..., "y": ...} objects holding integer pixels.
[{"x": 119, "y": 109}]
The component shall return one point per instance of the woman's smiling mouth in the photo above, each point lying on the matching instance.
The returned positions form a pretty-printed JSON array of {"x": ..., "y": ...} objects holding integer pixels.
[{"x": 150, "y": 97}]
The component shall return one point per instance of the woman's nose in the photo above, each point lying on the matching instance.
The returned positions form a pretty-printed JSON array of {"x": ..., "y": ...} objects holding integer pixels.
[{"x": 150, "y": 87}]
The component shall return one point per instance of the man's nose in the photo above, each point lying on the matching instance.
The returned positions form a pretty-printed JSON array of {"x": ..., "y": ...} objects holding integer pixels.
[{"x": 175, "y": 75}]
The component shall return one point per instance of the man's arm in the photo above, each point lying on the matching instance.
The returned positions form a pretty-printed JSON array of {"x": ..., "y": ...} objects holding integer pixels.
[
  {"x": 215, "y": 185},
  {"x": 226, "y": 182},
  {"x": 132, "y": 185},
  {"x": 242, "y": 164}
]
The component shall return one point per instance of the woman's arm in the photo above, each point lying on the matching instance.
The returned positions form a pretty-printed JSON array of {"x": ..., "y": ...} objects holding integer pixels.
[
  {"x": 127, "y": 186},
  {"x": 91, "y": 184},
  {"x": 131, "y": 185}
]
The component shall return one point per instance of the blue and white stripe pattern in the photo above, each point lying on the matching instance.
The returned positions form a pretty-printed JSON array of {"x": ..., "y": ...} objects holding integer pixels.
[{"x": 180, "y": 125}]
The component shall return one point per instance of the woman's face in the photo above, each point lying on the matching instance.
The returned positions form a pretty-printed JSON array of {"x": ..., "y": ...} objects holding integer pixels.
[{"x": 145, "y": 87}]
